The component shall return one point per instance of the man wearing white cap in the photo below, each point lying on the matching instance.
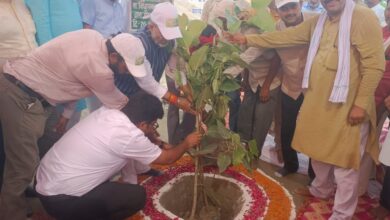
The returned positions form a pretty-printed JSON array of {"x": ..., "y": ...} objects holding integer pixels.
[
  {"x": 293, "y": 60},
  {"x": 73, "y": 177},
  {"x": 73, "y": 66},
  {"x": 336, "y": 123},
  {"x": 158, "y": 39}
]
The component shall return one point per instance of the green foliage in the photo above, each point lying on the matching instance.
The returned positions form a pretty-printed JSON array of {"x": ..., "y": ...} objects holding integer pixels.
[{"x": 210, "y": 85}]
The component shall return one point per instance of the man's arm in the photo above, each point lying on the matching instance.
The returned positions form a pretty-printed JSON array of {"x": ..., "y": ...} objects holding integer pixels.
[
  {"x": 298, "y": 35},
  {"x": 272, "y": 72},
  {"x": 151, "y": 86},
  {"x": 372, "y": 64},
  {"x": 171, "y": 154},
  {"x": 88, "y": 13}
]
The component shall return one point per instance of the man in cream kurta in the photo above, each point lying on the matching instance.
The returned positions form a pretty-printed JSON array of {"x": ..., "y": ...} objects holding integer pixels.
[{"x": 332, "y": 134}]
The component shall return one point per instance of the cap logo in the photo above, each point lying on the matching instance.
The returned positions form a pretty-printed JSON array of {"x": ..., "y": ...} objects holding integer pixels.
[
  {"x": 139, "y": 61},
  {"x": 173, "y": 22}
]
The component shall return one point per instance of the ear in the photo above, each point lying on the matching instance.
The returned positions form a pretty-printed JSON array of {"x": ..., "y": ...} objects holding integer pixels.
[
  {"x": 143, "y": 126},
  {"x": 113, "y": 58}
]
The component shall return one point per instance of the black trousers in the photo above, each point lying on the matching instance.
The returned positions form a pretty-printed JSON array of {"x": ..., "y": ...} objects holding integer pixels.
[
  {"x": 110, "y": 200},
  {"x": 290, "y": 110},
  {"x": 385, "y": 194}
]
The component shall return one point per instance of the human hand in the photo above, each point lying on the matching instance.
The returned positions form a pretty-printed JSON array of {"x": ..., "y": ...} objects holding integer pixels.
[
  {"x": 193, "y": 139},
  {"x": 187, "y": 91},
  {"x": 184, "y": 104},
  {"x": 60, "y": 127},
  {"x": 356, "y": 115},
  {"x": 236, "y": 38}
]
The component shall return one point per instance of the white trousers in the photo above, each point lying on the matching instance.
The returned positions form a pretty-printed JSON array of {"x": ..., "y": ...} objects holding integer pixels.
[{"x": 346, "y": 180}]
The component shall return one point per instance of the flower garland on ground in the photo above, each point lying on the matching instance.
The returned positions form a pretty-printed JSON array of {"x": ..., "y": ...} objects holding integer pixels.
[{"x": 275, "y": 204}]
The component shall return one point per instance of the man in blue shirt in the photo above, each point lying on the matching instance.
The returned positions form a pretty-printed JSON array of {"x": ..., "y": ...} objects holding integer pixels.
[{"x": 105, "y": 16}]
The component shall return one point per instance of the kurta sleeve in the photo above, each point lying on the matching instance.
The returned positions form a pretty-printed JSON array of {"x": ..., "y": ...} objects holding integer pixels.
[
  {"x": 298, "y": 35},
  {"x": 372, "y": 60}
]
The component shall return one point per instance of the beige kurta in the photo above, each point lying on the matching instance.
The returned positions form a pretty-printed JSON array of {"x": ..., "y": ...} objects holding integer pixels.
[{"x": 323, "y": 132}]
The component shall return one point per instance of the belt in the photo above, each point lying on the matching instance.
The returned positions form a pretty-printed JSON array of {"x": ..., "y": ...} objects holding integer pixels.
[{"x": 26, "y": 89}]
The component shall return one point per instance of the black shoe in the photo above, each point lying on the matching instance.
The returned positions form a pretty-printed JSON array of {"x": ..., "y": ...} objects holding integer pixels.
[
  {"x": 282, "y": 172},
  {"x": 153, "y": 172}
]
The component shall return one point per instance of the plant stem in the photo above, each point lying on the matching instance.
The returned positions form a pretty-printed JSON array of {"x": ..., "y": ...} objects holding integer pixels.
[
  {"x": 195, "y": 198},
  {"x": 196, "y": 174}
]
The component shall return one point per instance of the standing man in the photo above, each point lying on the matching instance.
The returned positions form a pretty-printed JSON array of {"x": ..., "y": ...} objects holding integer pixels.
[
  {"x": 17, "y": 38},
  {"x": 293, "y": 60},
  {"x": 379, "y": 10},
  {"x": 64, "y": 70},
  {"x": 73, "y": 177},
  {"x": 312, "y": 6},
  {"x": 336, "y": 123},
  {"x": 158, "y": 39}
]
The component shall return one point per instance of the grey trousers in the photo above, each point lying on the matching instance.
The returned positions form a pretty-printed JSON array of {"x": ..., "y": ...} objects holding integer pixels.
[
  {"x": 255, "y": 117},
  {"x": 23, "y": 120},
  {"x": 177, "y": 130}
]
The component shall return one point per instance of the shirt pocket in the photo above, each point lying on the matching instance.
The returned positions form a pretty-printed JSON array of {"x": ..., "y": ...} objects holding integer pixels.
[{"x": 332, "y": 60}]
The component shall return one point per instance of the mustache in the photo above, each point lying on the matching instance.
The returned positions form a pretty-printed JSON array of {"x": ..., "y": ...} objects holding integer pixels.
[{"x": 291, "y": 16}]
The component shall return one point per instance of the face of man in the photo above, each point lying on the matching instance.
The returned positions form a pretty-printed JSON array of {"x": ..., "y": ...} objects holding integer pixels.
[
  {"x": 387, "y": 15},
  {"x": 149, "y": 129},
  {"x": 157, "y": 36},
  {"x": 371, "y": 3},
  {"x": 314, "y": 2},
  {"x": 333, "y": 7},
  {"x": 291, "y": 13}
]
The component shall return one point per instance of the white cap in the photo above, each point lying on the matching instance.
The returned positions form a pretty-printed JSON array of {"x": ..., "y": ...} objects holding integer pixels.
[
  {"x": 280, "y": 3},
  {"x": 132, "y": 51},
  {"x": 165, "y": 16}
]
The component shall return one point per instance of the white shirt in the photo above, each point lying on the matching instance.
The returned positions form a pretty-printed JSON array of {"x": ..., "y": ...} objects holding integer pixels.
[
  {"x": 384, "y": 156},
  {"x": 380, "y": 13},
  {"x": 92, "y": 152}
]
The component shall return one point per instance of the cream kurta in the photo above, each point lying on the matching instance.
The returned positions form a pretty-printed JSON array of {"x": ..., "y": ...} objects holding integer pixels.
[{"x": 323, "y": 132}]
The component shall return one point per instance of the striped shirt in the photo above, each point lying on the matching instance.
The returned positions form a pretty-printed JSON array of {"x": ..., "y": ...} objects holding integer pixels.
[{"x": 157, "y": 57}]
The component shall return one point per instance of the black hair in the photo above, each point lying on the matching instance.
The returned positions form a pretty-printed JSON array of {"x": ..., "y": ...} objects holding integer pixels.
[
  {"x": 143, "y": 107},
  {"x": 111, "y": 49}
]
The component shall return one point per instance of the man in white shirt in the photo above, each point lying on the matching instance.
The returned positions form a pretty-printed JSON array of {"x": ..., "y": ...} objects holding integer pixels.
[{"x": 73, "y": 177}]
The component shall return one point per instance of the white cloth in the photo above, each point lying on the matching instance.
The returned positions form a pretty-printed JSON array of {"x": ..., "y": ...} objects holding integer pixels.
[
  {"x": 380, "y": 13},
  {"x": 341, "y": 84},
  {"x": 92, "y": 152},
  {"x": 384, "y": 156}
]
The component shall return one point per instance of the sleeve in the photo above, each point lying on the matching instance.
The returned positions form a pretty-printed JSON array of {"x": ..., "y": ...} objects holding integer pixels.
[
  {"x": 69, "y": 109},
  {"x": 138, "y": 147},
  {"x": 88, "y": 11},
  {"x": 99, "y": 79},
  {"x": 372, "y": 61},
  {"x": 298, "y": 35},
  {"x": 149, "y": 83}
]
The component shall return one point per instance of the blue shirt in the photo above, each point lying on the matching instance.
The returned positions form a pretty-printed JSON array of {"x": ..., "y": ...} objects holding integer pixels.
[
  {"x": 306, "y": 7},
  {"x": 157, "y": 57},
  {"x": 105, "y": 16}
]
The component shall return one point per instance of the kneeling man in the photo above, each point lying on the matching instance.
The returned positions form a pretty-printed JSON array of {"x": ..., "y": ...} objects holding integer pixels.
[{"x": 73, "y": 177}]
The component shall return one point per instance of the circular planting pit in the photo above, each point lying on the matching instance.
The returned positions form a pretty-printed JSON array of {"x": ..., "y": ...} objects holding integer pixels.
[
  {"x": 176, "y": 197},
  {"x": 244, "y": 195}
]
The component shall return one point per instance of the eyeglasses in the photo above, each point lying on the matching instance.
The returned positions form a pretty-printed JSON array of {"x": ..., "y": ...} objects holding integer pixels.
[{"x": 155, "y": 125}]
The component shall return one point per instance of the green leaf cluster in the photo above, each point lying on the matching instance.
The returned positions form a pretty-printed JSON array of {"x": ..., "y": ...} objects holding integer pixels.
[{"x": 209, "y": 84}]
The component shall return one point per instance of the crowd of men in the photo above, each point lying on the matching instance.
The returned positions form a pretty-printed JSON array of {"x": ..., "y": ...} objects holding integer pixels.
[{"x": 318, "y": 76}]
